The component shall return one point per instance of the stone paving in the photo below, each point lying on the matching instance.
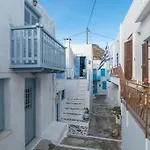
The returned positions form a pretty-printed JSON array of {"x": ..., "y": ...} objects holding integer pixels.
[
  {"x": 77, "y": 130},
  {"x": 102, "y": 120},
  {"x": 92, "y": 143}
]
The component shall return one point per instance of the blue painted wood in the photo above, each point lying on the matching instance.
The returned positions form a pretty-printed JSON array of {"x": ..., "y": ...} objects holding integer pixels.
[
  {"x": 29, "y": 110},
  {"x": 33, "y": 47},
  {"x": 94, "y": 74},
  {"x": 59, "y": 75},
  {"x": 95, "y": 87},
  {"x": 103, "y": 72},
  {"x": 1, "y": 105},
  {"x": 77, "y": 73},
  {"x": 57, "y": 112},
  {"x": 104, "y": 85}
]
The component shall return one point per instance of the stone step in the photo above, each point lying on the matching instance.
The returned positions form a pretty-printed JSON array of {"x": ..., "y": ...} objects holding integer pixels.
[
  {"x": 73, "y": 111},
  {"x": 76, "y": 99},
  {"x": 64, "y": 148},
  {"x": 92, "y": 143},
  {"x": 71, "y": 119},
  {"x": 74, "y": 102},
  {"x": 67, "y": 116},
  {"x": 74, "y": 106},
  {"x": 82, "y": 123}
]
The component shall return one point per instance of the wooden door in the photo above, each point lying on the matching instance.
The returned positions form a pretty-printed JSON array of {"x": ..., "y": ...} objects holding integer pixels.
[
  {"x": 145, "y": 60},
  {"x": 128, "y": 59}
]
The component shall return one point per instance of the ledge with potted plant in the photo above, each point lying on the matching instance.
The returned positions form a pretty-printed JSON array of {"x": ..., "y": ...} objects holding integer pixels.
[{"x": 35, "y": 2}]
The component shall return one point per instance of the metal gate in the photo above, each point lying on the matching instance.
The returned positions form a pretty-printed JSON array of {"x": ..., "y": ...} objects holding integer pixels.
[{"x": 29, "y": 110}]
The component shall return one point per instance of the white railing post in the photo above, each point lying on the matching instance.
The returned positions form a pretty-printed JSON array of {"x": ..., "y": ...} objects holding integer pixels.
[{"x": 39, "y": 45}]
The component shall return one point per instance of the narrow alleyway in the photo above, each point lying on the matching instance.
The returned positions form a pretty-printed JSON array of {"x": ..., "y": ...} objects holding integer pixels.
[
  {"x": 102, "y": 120},
  {"x": 99, "y": 135}
]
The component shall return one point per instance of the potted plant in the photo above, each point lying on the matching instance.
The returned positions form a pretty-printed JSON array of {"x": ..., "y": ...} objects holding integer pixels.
[
  {"x": 35, "y": 2},
  {"x": 86, "y": 114}
]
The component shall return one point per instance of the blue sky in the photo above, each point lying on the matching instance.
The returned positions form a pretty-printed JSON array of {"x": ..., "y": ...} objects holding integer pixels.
[{"x": 71, "y": 17}]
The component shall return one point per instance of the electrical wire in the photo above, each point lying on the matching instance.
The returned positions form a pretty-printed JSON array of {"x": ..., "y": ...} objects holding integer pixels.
[
  {"x": 102, "y": 35},
  {"x": 77, "y": 34},
  {"x": 91, "y": 14},
  {"x": 74, "y": 35}
]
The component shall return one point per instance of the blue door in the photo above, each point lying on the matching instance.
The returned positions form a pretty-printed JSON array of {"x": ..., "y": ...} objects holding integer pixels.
[
  {"x": 104, "y": 86},
  {"x": 29, "y": 110},
  {"x": 77, "y": 72},
  {"x": 1, "y": 105},
  {"x": 94, "y": 74},
  {"x": 94, "y": 87}
]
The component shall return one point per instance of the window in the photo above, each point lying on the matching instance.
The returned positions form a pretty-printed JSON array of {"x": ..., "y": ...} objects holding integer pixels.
[
  {"x": 128, "y": 59},
  {"x": 63, "y": 95},
  {"x": 1, "y": 104},
  {"x": 31, "y": 17},
  {"x": 145, "y": 60},
  {"x": 103, "y": 72}
]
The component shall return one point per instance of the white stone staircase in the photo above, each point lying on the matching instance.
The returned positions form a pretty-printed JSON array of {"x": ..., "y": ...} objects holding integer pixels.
[{"x": 73, "y": 107}]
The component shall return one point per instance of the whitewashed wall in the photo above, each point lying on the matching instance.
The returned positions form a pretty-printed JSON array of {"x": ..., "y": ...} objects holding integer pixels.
[
  {"x": 46, "y": 21},
  {"x": 133, "y": 137},
  {"x": 84, "y": 50},
  {"x": 128, "y": 26},
  {"x": 140, "y": 32},
  {"x": 139, "y": 39},
  {"x": 70, "y": 56},
  {"x": 113, "y": 94},
  {"x": 15, "y": 83}
]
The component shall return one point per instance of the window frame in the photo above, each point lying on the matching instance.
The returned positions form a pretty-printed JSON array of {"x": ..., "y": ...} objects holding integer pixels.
[{"x": 32, "y": 13}]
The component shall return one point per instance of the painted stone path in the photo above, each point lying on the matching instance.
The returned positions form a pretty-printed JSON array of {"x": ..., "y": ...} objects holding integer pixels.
[
  {"x": 97, "y": 137},
  {"x": 102, "y": 120}
]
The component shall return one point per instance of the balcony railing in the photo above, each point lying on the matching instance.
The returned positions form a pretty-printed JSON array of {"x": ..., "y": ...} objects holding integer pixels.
[
  {"x": 71, "y": 74},
  {"x": 34, "y": 49},
  {"x": 137, "y": 101},
  {"x": 115, "y": 71}
]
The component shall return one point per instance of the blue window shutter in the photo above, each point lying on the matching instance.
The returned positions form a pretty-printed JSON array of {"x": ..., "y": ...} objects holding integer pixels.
[
  {"x": 104, "y": 86},
  {"x": 77, "y": 66},
  {"x": 103, "y": 72},
  {"x": 1, "y": 104}
]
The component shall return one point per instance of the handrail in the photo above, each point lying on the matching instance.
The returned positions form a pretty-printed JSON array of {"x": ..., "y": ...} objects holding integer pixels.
[
  {"x": 137, "y": 99},
  {"x": 34, "y": 27}
]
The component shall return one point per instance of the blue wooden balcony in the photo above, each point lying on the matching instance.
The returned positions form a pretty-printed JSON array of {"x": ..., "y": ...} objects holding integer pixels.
[{"x": 33, "y": 49}]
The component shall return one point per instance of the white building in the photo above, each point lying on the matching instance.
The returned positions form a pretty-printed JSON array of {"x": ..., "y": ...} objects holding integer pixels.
[
  {"x": 132, "y": 71},
  {"x": 27, "y": 74},
  {"x": 100, "y": 78},
  {"x": 78, "y": 83}
]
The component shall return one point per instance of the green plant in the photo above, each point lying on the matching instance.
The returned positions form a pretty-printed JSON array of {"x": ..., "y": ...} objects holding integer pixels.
[{"x": 86, "y": 110}]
